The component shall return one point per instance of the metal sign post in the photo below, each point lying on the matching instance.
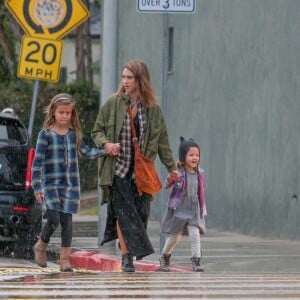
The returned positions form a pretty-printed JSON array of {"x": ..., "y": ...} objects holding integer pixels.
[
  {"x": 33, "y": 106},
  {"x": 165, "y": 7},
  {"x": 165, "y": 112}
]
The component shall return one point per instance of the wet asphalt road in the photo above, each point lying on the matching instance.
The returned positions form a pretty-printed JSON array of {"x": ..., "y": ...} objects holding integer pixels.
[
  {"x": 236, "y": 267},
  {"x": 51, "y": 284}
]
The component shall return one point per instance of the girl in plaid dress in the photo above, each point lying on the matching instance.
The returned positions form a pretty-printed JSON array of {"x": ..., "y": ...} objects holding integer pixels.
[{"x": 55, "y": 174}]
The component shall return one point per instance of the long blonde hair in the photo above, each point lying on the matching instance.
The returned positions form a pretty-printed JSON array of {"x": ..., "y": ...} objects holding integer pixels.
[
  {"x": 145, "y": 91},
  {"x": 64, "y": 99}
]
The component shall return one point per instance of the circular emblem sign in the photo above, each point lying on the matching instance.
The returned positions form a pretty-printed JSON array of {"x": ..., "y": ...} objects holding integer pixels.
[
  {"x": 49, "y": 13},
  {"x": 49, "y": 19}
]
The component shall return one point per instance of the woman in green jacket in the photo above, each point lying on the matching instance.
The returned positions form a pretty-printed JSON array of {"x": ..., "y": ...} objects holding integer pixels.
[{"x": 127, "y": 212}]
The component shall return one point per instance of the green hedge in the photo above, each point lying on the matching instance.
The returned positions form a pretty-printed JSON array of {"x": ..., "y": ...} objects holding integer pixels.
[{"x": 18, "y": 95}]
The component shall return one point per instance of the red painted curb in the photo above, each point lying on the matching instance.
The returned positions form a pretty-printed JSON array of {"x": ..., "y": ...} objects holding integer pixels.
[{"x": 110, "y": 263}]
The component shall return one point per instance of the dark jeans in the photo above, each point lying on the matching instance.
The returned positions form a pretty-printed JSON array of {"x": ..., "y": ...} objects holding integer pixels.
[
  {"x": 54, "y": 218},
  {"x": 132, "y": 213}
]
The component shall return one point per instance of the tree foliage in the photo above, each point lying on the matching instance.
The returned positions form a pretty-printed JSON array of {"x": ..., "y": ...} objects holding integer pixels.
[{"x": 10, "y": 34}]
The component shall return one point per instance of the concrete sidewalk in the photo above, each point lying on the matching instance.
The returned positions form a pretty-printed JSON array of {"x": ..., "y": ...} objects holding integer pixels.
[{"x": 223, "y": 252}]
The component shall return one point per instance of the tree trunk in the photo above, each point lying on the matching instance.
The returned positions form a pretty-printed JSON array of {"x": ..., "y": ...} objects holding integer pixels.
[
  {"x": 89, "y": 53},
  {"x": 80, "y": 65},
  {"x": 7, "y": 55}
]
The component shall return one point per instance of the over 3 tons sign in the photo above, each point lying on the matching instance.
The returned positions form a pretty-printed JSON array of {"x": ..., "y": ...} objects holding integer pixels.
[{"x": 166, "y": 6}]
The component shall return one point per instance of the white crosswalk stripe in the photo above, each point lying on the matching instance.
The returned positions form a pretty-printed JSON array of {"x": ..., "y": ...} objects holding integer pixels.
[{"x": 151, "y": 285}]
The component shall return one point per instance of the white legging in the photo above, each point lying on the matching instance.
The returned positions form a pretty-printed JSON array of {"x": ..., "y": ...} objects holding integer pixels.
[{"x": 174, "y": 239}]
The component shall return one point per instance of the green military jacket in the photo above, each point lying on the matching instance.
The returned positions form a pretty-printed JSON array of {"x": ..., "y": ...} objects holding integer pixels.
[{"x": 107, "y": 129}]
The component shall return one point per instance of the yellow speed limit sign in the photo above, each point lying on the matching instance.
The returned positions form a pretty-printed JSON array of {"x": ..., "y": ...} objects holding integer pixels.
[{"x": 40, "y": 59}]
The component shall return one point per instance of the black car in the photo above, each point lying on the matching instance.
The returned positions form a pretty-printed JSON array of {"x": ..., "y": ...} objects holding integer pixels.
[{"x": 20, "y": 213}]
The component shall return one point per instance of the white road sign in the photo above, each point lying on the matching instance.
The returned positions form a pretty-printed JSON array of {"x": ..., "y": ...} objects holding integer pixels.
[{"x": 175, "y": 6}]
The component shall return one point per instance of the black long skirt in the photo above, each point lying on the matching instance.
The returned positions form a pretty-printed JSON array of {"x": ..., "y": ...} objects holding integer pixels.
[{"x": 132, "y": 212}]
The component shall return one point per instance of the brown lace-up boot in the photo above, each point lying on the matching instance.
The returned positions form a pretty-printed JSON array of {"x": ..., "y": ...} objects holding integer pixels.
[
  {"x": 64, "y": 260},
  {"x": 40, "y": 253}
]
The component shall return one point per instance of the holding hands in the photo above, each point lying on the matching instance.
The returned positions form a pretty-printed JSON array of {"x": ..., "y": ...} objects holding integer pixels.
[
  {"x": 39, "y": 197},
  {"x": 172, "y": 178},
  {"x": 112, "y": 149}
]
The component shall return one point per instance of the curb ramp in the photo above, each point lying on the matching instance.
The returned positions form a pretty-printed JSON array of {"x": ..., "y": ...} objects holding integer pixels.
[{"x": 110, "y": 263}]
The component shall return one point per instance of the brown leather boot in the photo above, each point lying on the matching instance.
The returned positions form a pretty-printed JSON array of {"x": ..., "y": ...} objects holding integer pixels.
[
  {"x": 40, "y": 253},
  {"x": 64, "y": 261}
]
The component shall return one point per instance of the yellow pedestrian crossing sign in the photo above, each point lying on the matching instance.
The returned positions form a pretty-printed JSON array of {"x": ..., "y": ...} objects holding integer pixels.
[{"x": 49, "y": 19}]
